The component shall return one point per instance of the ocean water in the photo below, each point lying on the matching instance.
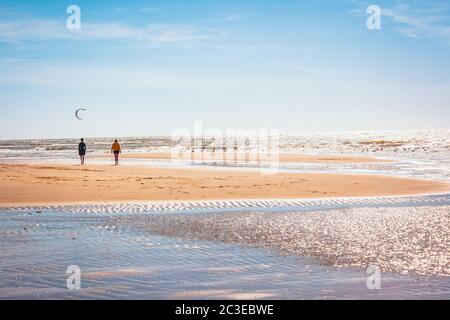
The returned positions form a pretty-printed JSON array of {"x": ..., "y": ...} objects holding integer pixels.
[
  {"x": 265, "y": 249},
  {"x": 152, "y": 255},
  {"x": 419, "y": 154}
]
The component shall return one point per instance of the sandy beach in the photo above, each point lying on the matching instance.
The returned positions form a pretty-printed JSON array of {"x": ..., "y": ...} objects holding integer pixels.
[
  {"x": 230, "y": 157},
  {"x": 33, "y": 184}
]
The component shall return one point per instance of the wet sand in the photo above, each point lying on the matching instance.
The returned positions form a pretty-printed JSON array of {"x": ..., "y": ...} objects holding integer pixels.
[
  {"x": 32, "y": 184},
  {"x": 231, "y": 157},
  {"x": 162, "y": 256}
]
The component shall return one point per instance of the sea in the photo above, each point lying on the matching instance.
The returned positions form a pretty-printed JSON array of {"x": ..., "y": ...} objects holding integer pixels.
[{"x": 354, "y": 248}]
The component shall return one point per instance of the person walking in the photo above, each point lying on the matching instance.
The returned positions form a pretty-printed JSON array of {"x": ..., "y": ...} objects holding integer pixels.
[
  {"x": 82, "y": 151},
  {"x": 116, "y": 150}
]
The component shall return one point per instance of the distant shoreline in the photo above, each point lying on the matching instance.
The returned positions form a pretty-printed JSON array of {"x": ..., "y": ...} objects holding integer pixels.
[
  {"x": 47, "y": 184},
  {"x": 241, "y": 156}
]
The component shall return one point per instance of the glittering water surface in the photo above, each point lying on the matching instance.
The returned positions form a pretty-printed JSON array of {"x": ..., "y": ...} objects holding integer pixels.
[
  {"x": 231, "y": 254},
  {"x": 419, "y": 154},
  {"x": 404, "y": 239},
  {"x": 249, "y": 249}
]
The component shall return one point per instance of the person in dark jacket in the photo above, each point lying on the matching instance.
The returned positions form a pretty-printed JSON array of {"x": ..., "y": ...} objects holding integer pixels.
[{"x": 82, "y": 151}]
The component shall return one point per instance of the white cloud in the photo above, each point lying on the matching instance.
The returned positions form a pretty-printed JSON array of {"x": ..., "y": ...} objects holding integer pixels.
[
  {"x": 249, "y": 47},
  {"x": 410, "y": 34},
  {"x": 120, "y": 10},
  {"x": 51, "y": 29},
  {"x": 309, "y": 70},
  {"x": 230, "y": 18},
  {"x": 51, "y": 75},
  {"x": 404, "y": 15},
  {"x": 30, "y": 74},
  {"x": 427, "y": 19},
  {"x": 419, "y": 24},
  {"x": 149, "y": 9}
]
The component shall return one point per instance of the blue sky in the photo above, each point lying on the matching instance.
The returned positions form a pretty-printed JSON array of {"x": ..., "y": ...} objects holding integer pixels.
[{"x": 150, "y": 67}]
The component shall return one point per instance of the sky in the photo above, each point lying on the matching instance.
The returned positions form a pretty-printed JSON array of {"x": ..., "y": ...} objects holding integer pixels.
[{"x": 143, "y": 68}]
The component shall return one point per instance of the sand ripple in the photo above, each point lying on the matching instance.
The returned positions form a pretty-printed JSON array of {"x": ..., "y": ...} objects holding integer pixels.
[{"x": 197, "y": 206}]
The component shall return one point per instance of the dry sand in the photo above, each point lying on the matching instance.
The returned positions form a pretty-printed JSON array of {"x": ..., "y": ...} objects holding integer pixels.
[
  {"x": 283, "y": 157},
  {"x": 32, "y": 184}
]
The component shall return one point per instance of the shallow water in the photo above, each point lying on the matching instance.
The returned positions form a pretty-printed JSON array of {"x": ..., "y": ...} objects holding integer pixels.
[
  {"x": 162, "y": 250},
  {"x": 420, "y": 154},
  {"x": 122, "y": 259},
  {"x": 399, "y": 239}
]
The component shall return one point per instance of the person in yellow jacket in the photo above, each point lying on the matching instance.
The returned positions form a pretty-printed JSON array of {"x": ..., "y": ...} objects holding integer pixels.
[{"x": 116, "y": 150}]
